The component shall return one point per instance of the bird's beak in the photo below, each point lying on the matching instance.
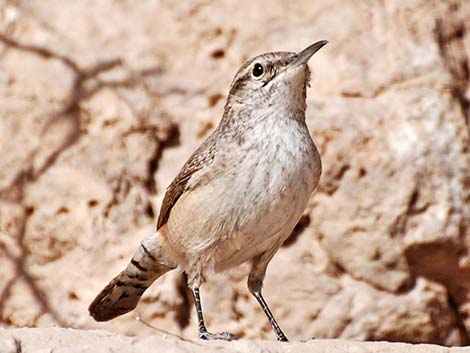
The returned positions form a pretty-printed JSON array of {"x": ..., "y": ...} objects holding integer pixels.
[
  {"x": 299, "y": 59},
  {"x": 303, "y": 56}
]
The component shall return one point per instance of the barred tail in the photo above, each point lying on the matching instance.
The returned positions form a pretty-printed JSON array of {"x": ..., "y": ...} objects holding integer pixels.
[{"x": 151, "y": 260}]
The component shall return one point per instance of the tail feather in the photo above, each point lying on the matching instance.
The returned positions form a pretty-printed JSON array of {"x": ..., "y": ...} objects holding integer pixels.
[
  {"x": 151, "y": 260},
  {"x": 120, "y": 296}
]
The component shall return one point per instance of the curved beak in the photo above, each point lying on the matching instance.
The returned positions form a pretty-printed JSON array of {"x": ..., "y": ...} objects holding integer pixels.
[
  {"x": 303, "y": 56},
  {"x": 300, "y": 58}
]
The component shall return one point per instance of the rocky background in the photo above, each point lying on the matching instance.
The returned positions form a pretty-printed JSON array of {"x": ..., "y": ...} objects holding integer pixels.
[{"x": 101, "y": 102}]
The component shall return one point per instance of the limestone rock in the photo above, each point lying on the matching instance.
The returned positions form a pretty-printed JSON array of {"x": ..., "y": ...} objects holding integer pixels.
[
  {"x": 102, "y": 102},
  {"x": 28, "y": 340}
]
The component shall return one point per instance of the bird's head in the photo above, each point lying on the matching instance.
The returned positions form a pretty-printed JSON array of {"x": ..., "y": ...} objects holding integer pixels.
[{"x": 273, "y": 80}]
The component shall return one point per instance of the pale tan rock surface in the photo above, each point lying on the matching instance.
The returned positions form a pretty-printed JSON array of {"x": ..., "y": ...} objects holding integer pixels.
[
  {"x": 30, "y": 340},
  {"x": 101, "y": 102}
]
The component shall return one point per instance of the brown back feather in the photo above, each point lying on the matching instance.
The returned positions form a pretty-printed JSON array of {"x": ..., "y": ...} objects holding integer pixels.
[{"x": 202, "y": 157}]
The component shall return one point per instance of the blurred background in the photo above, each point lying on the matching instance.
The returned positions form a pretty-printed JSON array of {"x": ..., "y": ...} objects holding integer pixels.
[{"x": 101, "y": 102}]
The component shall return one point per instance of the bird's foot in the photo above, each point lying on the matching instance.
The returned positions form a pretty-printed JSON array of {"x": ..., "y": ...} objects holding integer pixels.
[
  {"x": 282, "y": 338},
  {"x": 226, "y": 336}
]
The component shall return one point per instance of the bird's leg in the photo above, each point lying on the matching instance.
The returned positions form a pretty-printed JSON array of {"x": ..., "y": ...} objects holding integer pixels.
[
  {"x": 280, "y": 335},
  {"x": 203, "y": 333},
  {"x": 255, "y": 283}
]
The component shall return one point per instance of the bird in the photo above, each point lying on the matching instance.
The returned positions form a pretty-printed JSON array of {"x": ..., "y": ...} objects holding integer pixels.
[{"x": 239, "y": 195}]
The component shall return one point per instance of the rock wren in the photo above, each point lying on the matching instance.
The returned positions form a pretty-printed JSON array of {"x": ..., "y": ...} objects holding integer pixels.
[{"x": 239, "y": 195}]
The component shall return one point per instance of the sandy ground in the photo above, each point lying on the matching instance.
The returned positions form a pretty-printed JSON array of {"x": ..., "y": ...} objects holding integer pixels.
[{"x": 77, "y": 341}]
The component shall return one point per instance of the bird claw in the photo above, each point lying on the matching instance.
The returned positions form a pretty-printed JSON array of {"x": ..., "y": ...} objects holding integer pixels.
[{"x": 226, "y": 336}]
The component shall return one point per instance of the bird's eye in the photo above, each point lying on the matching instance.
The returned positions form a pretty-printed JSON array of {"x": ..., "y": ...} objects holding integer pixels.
[{"x": 258, "y": 70}]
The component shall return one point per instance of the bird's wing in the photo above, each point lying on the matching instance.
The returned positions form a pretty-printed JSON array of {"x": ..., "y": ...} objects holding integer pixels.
[{"x": 201, "y": 158}]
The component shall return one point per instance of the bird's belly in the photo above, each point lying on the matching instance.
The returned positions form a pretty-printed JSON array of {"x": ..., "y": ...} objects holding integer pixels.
[
  {"x": 262, "y": 228},
  {"x": 245, "y": 209}
]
